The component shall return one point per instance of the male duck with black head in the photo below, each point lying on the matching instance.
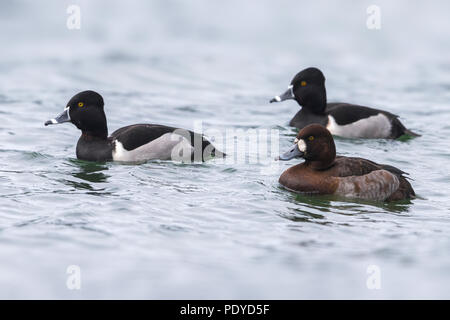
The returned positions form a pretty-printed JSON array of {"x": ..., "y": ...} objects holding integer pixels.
[
  {"x": 341, "y": 119},
  {"x": 134, "y": 143},
  {"x": 325, "y": 173}
]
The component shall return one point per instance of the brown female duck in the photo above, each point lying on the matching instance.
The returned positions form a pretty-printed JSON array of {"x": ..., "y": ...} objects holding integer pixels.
[{"x": 325, "y": 173}]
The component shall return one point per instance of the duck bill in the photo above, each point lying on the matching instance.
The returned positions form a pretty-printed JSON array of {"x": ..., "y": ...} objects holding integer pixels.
[
  {"x": 61, "y": 118},
  {"x": 289, "y": 94},
  {"x": 292, "y": 153}
]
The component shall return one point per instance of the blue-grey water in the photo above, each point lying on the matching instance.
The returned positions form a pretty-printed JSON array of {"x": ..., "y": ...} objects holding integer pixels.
[{"x": 218, "y": 230}]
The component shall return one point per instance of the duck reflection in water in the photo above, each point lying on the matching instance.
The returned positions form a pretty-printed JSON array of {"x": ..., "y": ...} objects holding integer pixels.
[
  {"x": 316, "y": 209},
  {"x": 90, "y": 173}
]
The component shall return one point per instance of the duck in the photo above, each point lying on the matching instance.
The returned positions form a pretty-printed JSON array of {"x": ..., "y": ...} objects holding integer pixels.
[
  {"x": 323, "y": 172},
  {"x": 133, "y": 143},
  {"x": 341, "y": 119}
]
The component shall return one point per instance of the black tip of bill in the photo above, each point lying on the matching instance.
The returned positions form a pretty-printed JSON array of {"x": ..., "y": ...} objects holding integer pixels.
[{"x": 275, "y": 99}]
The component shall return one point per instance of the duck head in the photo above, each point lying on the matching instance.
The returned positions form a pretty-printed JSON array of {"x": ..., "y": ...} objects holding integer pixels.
[
  {"x": 85, "y": 111},
  {"x": 315, "y": 144},
  {"x": 308, "y": 89}
]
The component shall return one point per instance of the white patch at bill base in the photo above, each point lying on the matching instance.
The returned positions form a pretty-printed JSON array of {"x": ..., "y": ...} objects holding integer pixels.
[{"x": 301, "y": 145}]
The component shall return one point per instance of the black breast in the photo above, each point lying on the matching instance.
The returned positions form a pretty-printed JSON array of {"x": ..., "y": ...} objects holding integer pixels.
[
  {"x": 94, "y": 149},
  {"x": 306, "y": 117}
]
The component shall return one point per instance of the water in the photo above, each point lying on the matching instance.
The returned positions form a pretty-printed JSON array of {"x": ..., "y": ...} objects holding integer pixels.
[{"x": 215, "y": 230}]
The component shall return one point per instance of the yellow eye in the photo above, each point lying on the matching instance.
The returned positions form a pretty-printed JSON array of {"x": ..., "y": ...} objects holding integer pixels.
[
  {"x": 310, "y": 138},
  {"x": 80, "y": 104},
  {"x": 303, "y": 83}
]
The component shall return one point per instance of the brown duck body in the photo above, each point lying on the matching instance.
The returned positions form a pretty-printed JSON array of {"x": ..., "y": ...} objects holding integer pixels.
[
  {"x": 349, "y": 177},
  {"x": 324, "y": 173}
]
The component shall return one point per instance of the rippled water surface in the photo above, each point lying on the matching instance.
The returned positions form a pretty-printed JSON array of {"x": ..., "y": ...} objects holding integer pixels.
[{"x": 218, "y": 230}]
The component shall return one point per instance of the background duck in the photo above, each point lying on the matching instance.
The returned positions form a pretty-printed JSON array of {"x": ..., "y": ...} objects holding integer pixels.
[
  {"x": 133, "y": 143},
  {"x": 341, "y": 119},
  {"x": 324, "y": 173}
]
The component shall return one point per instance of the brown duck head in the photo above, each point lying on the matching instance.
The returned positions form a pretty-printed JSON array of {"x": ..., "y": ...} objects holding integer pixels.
[{"x": 315, "y": 144}]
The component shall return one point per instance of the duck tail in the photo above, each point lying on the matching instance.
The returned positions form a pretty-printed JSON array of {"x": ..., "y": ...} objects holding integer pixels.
[
  {"x": 411, "y": 133},
  {"x": 218, "y": 154},
  {"x": 398, "y": 129}
]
